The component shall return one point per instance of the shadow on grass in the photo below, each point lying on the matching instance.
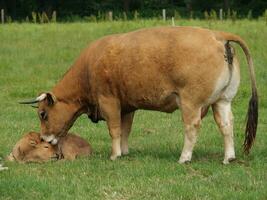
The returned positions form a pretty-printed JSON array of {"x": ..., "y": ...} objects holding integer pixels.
[{"x": 200, "y": 155}]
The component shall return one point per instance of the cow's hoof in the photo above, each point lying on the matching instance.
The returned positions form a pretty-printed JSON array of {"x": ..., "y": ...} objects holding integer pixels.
[
  {"x": 125, "y": 152},
  {"x": 184, "y": 161},
  {"x": 228, "y": 160},
  {"x": 114, "y": 157}
]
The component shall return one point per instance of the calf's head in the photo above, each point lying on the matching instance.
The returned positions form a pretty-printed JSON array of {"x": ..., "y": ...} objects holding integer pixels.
[
  {"x": 30, "y": 148},
  {"x": 42, "y": 152},
  {"x": 26, "y": 144}
]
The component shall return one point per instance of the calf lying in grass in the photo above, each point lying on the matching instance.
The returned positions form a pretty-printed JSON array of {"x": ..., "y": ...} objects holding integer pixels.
[{"x": 30, "y": 148}]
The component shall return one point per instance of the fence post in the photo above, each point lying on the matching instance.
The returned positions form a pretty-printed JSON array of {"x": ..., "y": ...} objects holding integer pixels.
[
  {"x": 110, "y": 15},
  {"x": 2, "y": 16},
  {"x": 54, "y": 16},
  {"x": 221, "y": 14},
  {"x": 136, "y": 14},
  {"x": 124, "y": 16},
  {"x": 173, "y": 24},
  {"x": 164, "y": 14}
]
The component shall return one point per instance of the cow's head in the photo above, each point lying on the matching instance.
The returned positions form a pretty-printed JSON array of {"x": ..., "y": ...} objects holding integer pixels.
[{"x": 56, "y": 116}]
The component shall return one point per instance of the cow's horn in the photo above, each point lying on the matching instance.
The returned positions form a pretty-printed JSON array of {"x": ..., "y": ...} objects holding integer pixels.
[
  {"x": 31, "y": 101},
  {"x": 41, "y": 97},
  {"x": 34, "y": 106}
]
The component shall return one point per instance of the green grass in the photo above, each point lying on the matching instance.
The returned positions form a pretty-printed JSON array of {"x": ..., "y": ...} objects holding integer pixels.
[{"x": 34, "y": 57}]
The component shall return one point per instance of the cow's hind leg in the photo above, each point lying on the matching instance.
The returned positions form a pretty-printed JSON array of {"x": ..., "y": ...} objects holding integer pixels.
[
  {"x": 191, "y": 118},
  {"x": 126, "y": 125},
  {"x": 224, "y": 119}
]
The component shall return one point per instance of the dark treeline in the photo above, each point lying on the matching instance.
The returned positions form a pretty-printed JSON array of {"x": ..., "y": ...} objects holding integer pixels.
[{"x": 20, "y": 9}]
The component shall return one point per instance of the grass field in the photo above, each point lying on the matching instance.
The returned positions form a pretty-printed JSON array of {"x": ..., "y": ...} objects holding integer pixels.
[{"x": 32, "y": 60}]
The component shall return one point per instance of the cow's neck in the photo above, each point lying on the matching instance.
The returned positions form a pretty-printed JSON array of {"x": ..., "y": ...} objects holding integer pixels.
[{"x": 73, "y": 87}]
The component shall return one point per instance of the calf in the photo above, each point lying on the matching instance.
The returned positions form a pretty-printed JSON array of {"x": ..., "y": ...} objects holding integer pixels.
[{"x": 30, "y": 148}]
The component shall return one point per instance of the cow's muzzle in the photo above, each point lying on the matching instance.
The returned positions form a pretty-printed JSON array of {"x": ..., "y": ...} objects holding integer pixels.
[{"x": 50, "y": 138}]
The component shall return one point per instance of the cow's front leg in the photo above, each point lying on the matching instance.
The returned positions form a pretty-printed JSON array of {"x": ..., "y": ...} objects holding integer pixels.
[
  {"x": 110, "y": 111},
  {"x": 126, "y": 125},
  {"x": 115, "y": 133}
]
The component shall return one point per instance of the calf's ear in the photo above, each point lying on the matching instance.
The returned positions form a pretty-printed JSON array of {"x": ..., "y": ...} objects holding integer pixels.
[{"x": 33, "y": 143}]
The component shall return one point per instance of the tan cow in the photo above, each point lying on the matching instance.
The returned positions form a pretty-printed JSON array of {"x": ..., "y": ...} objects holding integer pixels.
[
  {"x": 159, "y": 69},
  {"x": 30, "y": 148}
]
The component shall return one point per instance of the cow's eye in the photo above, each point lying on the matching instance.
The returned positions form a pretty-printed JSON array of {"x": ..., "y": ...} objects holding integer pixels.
[
  {"x": 43, "y": 115},
  {"x": 46, "y": 147}
]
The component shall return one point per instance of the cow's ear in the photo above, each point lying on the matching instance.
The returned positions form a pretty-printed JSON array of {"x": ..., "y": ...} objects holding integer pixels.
[{"x": 51, "y": 98}]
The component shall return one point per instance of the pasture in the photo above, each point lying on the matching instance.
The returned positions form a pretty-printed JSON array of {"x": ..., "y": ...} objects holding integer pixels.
[{"x": 34, "y": 57}]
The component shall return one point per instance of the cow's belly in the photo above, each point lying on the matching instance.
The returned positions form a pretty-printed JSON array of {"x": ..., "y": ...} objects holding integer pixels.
[
  {"x": 168, "y": 104},
  {"x": 165, "y": 102}
]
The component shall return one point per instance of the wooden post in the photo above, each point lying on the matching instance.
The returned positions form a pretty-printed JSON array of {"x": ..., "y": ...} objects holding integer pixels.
[
  {"x": 54, "y": 16},
  {"x": 124, "y": 16},
  {"x": 2, "y": 16},
  {"x": 110, "y": 15},
  {"x": 173, "y": 24},
  {"x": 164, "y": 14},
  {"x": 136, "y": 14},
  {"x": 221, "y": 14}
]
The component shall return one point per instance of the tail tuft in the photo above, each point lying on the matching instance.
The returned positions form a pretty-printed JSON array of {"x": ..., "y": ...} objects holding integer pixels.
[{"x": 252, "y": 122}]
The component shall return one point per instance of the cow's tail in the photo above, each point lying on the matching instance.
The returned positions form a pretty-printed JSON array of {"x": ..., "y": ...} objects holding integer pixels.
[{"x": 252, "y": 114}]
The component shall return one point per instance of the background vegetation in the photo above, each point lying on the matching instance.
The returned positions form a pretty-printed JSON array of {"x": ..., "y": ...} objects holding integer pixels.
[
  {"x": 75, "y": 10},
  {"x": 33, "y": 58}
]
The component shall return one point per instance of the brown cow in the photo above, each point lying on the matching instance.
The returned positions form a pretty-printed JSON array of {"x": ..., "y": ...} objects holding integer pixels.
[
  {"x": 30, "y": 148},
  {"x": 159, "y": 69}
]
